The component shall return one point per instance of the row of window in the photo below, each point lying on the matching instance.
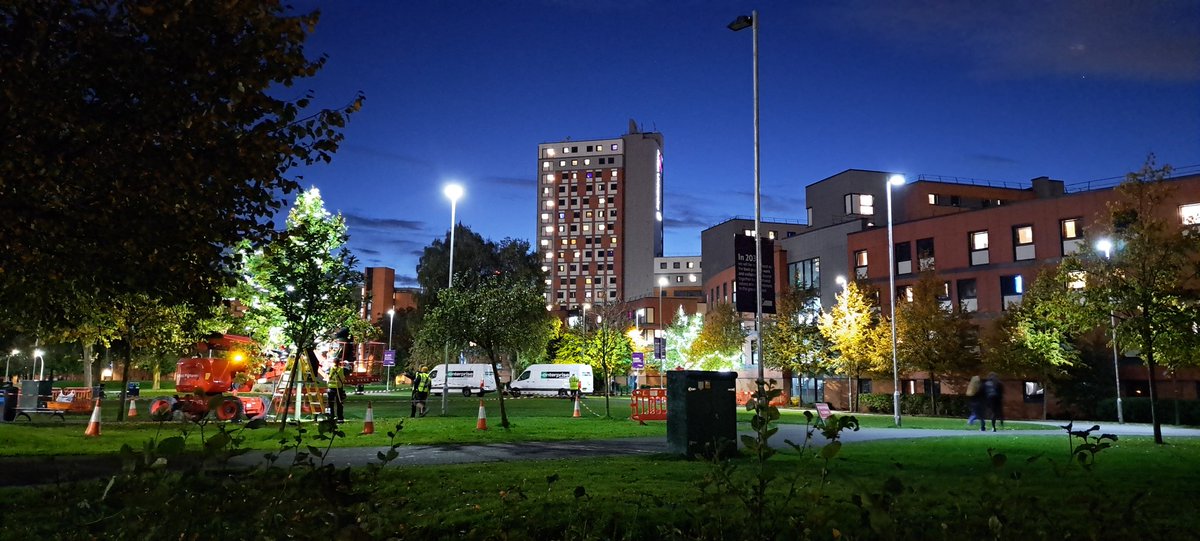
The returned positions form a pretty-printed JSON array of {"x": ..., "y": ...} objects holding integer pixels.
[
  {"x": 978, "y": 245},
  {"x": 574, "y": 175},
  {"x": 563, "y": 295},
  {"x": 586, "y": 267},
  {"x": 587, "y": 280},
  {"x": 1012, "y": 288},
  {"x": 562, "y": 215},
  {"x": 612, "y": 187},
  {"x": 576, "y": 254},
  {"x": 574, "y": 202},
  {"x": 585, "y": 162},
  {"x": 574, "y": 149},
  {"x": 675, "y": 264},
  {"x": 599, "y": 226},
  {"x": 587, "y": 241},
  {"x": 770, "y": 234}
]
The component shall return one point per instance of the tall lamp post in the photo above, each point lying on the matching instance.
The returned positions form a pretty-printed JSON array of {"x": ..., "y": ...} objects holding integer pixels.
[
  {"x": 1106, "y": 246},
  {"x": 12, "y": 354},
  {"x": 894, "y": 180},
  {"x": 387, "y": 385},
  {"x": 452, "y": 192},
  {"x": 662, "y": 326},
  {"x": 741, "y": 23}
]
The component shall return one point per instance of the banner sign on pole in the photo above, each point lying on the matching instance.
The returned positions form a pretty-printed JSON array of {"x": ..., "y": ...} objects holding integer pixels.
[
  {"x": 660, "y": 348},
  {"x": 743, "y": 247},
  {"x": 639, "y": 360},
  {"x": 389, "y": 357}
]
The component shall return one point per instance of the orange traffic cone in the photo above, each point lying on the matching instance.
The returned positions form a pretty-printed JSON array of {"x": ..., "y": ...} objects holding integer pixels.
[
  {"x": 481, "y": 423},
  {"x": 93, "y": 428},
  {"x": 369, "y": 421},
  {"x": 132, "y": 408},
  {"x": 576, "y": 414}
]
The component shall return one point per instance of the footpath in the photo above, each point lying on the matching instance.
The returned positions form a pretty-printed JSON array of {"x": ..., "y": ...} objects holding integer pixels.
[{"x": 23, "y": 471}]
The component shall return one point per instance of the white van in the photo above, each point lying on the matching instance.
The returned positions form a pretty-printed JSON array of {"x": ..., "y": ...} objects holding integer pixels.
[
  {"x": 552, "y": 380},
  {"x": 465, "y": 378}
]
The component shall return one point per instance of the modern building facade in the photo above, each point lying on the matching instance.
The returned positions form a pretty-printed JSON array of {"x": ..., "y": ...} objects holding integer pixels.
[{"x": 600, "y": 218}]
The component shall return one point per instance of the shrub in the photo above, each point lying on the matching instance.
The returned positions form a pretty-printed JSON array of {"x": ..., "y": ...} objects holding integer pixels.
[
  {"x": 916, "y": 404},
  {"x": 1137, "y": 410}
]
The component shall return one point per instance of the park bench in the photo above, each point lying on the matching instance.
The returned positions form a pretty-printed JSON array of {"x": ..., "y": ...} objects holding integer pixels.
[{"x": 62, "y": 401}]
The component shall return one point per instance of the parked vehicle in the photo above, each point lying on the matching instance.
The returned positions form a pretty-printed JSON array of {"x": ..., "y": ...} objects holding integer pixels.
[
  {"x": 202, "y": 381},
  {"x": 465, "y": 378},
  {"x": 552, "y": 380}
]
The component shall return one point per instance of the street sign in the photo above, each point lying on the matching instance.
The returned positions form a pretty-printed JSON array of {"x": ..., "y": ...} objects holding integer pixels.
[
  {"x": 639, "y": 360},
  {"x": 389, "y": 357}
]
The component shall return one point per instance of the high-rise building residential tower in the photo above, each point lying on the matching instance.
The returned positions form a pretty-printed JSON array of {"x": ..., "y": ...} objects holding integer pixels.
[{"x": 600, "y": 217}]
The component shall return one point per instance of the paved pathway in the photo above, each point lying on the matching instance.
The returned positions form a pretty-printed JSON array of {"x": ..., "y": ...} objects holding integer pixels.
[{"x": 464, "y": 454}]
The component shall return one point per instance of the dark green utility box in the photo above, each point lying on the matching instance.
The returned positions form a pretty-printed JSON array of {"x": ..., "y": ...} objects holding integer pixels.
[{"x": 701, "y": 413}]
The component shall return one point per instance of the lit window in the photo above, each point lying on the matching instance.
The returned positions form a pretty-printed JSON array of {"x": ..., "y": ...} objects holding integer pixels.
[
  {"x": 1070, "y": 228},
  {"x": 549, "y": 204},
  {"x": 587, "y": 214},
  {"x": 548, "y": 229},
  {"x": 1024, "y": 234},
  {"x": 549, "y": 153},
  {"x": 772, "y": 234},
  {"x": 545, "y": 217},
  {"x": 566, "y": 150},
  {"x": 563, "y": 241},
  {"x": 614, "y": 174},
  {"x": 860, "y": 258},
  {"x": 613, "y": 241},
  {"x": 574, "y": 162},
  {"x": 550, "y": 177},
  {"x": 692, "y": 278},
  {"x": 599, "y": 227},
  {"x": 860, "y": 203},
  {"x": 614, "y": 147},
  {"x": 549, "y": 255},
  {"x": 545, "y": 242},
  {"x": 545, "y": 165},
  {"x": 587, "y": 281},
  {"x": 932, "y": 199},
  {"x": 748, "y": 232},
  {"x": 979, "y": 240},
  {"x": 588, "y": 161},
  {"x": 691, "y": 264},
  {"x": 587, "y": 227},
  {"x": 1190, "y": 214},
  {"x": 562, "y": 163}
]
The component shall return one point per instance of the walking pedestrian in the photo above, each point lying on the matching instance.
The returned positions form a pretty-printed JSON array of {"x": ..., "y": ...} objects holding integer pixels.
[
  {"x": 574, "y": 383},
  {"x": 974, "y": 400},
  {"x": 993, "y": 395},
  {"x": 420, "y": 392}
]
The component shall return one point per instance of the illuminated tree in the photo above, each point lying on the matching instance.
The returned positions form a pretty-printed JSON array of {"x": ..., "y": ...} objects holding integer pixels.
[
  {"x": 1148, "y": 280},
  {"x": 719, "y": 344},
  {"x": 932, "y": 336},
  {"x": 792, "y": 340},
  {"x": 857, "y": 337}
]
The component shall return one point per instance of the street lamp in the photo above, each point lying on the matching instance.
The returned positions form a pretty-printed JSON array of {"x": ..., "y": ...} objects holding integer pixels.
[
  {"x": 894, "y": 180},
  {"x": 841, "y": 281},
  {"x": 1106, "y": 246},
  {"x": 662, "y": 325},
  {"x": 387, "y": 385},
  {"x": 452, "y": 192},
  {"x": 12, "y": 354},
  {"x": 741, "y": 23}
]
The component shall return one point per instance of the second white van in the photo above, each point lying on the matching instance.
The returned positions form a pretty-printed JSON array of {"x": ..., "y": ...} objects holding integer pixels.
[
  {"x": 467, "y": 379},
  {"x": 552, "y": 380}
]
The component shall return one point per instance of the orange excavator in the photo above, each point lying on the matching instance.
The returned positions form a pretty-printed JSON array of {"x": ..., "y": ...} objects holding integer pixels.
[{"x": 203, "y": 380}]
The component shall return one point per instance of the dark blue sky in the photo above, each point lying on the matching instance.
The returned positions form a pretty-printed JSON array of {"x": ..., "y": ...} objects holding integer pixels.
[{"x": 465, "y": 90}]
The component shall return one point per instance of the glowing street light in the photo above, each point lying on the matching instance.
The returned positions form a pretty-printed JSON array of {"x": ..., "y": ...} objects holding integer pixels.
[
  {"x": 894, "y": 180},
  {"x": 1106, "y": 246},
  {"x": 741, "y": 23},
  {"x": 452, "y": 192},
  {"x": 387, "y": 385},
  {"x": 11, "y": 354},
  {"x": 841, "y": 281}
]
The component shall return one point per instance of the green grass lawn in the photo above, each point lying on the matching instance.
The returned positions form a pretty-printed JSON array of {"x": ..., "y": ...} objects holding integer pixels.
[{"x": 533, "y": 419}]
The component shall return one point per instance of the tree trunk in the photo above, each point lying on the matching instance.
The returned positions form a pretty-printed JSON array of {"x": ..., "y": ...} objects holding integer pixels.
[
  {"x": 499, "y": 390},
  {"x": 850, "y": 394},
  {"x": 1150, "y": 364},
  {"x": 126, "y": 358},
  {"x": 933, "y": 394},
  {"x": 87, "y": 364},
  {"x": 786, "y": 386},
  {"x": 157, "y": 377}
]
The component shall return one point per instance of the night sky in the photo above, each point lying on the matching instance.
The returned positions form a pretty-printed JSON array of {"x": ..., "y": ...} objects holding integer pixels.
[{"x": 1007, "y": 91}]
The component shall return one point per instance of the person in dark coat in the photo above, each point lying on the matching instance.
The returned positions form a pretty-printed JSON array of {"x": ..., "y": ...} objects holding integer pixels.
[{"x": 993, "y": 396}]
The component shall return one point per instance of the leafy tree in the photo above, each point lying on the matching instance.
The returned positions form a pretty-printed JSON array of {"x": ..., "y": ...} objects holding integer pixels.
[
  {"x": 680, "y": 335},
  {"x": 721, "y": 337},
  {"x": 1148, "y": 281},
  {"x": 857, "y": 337},
  {"x": 792, "y": 340},
  {"x": 141, "y": 143},
  {"x": 1036, "y": 337},
  {"x": 304, "y": 282},
  {"x": 496, "y": 316},
  {"x": 608, "y": 346},
  {"x": 475, "y": 260},
  {"x": 934, "y": 338}
]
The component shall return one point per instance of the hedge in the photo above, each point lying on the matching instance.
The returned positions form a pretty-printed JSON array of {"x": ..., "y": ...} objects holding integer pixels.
[{"x": 1137, "y": 410}]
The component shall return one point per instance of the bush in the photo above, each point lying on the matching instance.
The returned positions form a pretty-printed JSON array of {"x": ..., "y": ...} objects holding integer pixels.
[
  {"x": 916, "y": 404},
  {"x": 1137, "y": 410}
]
